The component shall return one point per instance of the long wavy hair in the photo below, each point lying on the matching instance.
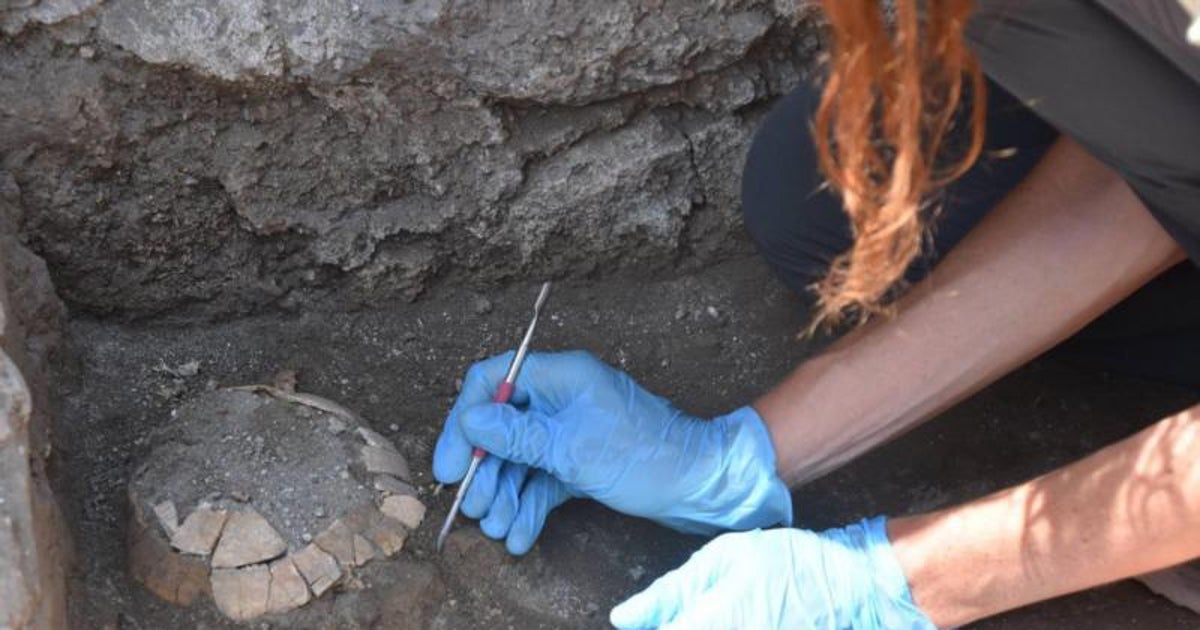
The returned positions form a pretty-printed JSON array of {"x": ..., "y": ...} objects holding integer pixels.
[{"x": 894, "y": 87}]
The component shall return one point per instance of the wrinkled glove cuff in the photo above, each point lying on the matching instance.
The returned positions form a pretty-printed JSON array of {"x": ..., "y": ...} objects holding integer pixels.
[
  {"x": 897, "y": 602},
  {"x": 762, "y": 499}
]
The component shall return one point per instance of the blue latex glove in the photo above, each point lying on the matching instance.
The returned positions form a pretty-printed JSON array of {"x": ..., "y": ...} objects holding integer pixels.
[
  {"x": 793, "y": 579},
  {"x": 579, "y": 428}
]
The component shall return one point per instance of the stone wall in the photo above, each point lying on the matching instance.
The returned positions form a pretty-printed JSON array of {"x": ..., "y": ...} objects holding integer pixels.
[
  {"x": 213, "y": 157},
  {"x": 34, "y": 546}
]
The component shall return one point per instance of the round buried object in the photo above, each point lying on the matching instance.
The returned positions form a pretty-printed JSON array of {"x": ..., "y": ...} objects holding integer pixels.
[{"x": 264, "y": 499}]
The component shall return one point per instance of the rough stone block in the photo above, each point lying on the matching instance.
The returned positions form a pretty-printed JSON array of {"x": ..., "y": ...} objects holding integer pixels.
[{"x": 34, "y": 544}]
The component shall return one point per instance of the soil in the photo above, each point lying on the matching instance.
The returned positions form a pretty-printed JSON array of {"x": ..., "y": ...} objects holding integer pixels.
[{"x": 710, "y": 341}]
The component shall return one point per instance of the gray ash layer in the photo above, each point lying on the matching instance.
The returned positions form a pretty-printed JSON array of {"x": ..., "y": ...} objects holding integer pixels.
[{"x": 296, "y": 465}]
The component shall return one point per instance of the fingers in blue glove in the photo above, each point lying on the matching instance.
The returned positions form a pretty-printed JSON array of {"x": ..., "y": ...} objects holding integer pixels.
[
  {"x": 715, "y": 611},
  {"x": 668, "y": 596},
  {"x": 482, "y": 492},
  {"x": 453, "y": 452},
  {"x": 519, "y": 436},
  {"x": 542, "y": 493},
  {"x": 503, "y": 511}
]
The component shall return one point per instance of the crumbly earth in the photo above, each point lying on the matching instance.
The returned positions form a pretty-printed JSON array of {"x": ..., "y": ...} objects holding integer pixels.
[{"x": 398, "y": 365}]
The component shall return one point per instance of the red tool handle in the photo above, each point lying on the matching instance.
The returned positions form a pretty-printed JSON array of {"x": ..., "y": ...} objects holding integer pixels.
[{"x": 503, "y": 394}]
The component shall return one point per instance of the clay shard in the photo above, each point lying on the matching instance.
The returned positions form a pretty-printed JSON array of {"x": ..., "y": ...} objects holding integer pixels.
[
  {"x": 378, "y": 459},
  {"x": 200, "y": 531},
  {"x": 374, "y": 438},
  {"x": 288, "y": 589},
  {"x": 387, "y": 533},
  {"x": 175, "y": 577},
  {"x": 405, "y": 509},
  {"x": 319, "y": 569},
  {"x": 168, "y": 517},
  {"x": 364, "y": 551},
  {"x": 242, "y": 594},
  {"x": 391, "y": 485},
  {"x": 338, "y": 541},
  {"x": 248, "y": 538}
]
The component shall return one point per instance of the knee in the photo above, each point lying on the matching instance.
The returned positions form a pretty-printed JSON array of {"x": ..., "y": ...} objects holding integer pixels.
[{"x": 796, "y": 224}]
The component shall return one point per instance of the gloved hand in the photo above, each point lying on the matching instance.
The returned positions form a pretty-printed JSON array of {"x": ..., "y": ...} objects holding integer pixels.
[
  {"x": 782, "y": 578},
  {"x": 579, "y": 428}
]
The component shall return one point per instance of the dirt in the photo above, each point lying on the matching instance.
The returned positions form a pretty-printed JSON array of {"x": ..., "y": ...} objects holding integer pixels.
[
  {"x": 710, "y": 342},
  {"x": 233, "y": 449}
]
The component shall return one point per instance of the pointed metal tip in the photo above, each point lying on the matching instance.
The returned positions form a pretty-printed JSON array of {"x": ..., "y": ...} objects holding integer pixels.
[
  {"x": 541, "y": 298},
  {"x": 445, "y": 531}
]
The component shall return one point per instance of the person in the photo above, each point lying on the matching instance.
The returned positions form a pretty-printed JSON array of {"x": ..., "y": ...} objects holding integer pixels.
[{"x": 1016, "y": 203}]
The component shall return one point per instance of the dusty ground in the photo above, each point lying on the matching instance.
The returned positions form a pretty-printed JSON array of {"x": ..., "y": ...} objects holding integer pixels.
[{"x": 397, "y": 367}]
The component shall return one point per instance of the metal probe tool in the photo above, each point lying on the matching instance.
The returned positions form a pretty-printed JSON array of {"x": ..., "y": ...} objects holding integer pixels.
[{"x": 503, "y": 394}]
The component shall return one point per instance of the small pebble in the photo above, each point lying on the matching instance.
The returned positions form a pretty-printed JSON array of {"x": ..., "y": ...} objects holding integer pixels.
[
  {"x": 393, "y": 427},
  {"x": 306, "y": 537}
]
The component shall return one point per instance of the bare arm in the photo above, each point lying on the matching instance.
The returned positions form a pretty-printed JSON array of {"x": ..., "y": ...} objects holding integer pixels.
[
  {"x": 1069, "y": 243},
  {"x": 1128, "y": 509}
]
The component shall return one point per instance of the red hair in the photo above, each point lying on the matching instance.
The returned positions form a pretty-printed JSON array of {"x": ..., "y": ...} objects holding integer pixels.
[{"x": 891, "y": 94}]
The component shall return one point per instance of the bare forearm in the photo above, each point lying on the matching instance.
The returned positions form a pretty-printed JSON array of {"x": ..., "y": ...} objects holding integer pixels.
[
  {"x": 1128, "y": 509},
  {"x": 1069, "y": 243}
]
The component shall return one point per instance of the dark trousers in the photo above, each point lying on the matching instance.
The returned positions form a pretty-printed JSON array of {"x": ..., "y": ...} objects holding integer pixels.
[{"x": 799, "y": 227}]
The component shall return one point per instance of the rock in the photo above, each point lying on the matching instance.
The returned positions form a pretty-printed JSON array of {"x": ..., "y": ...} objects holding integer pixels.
[
  {"x": 246, "y": 539},
  {"x": 492, "y": 117},
  {"x": 319, "y": 569},
  {"x": 200, "y": 531},
  {"x": 379, "y": 459},
  {"x": 34, "y": 543},
  {"x": 288, "y": 588},
  {"x": 390, "y": 485},
  {"x": 242, "y": 594},
  {"x": 16, "y": 15},
  {"x": 177, "y": 578},
  {"x": 405, "y": 509}
]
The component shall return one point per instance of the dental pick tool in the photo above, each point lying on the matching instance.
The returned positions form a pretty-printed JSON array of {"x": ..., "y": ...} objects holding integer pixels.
[{"x": 503, "y": 394}]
